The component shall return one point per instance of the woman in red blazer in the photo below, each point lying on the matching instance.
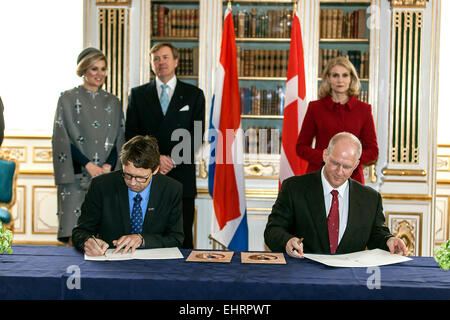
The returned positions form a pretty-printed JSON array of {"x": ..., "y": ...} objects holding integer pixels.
[{"x": 337, "y": 110}]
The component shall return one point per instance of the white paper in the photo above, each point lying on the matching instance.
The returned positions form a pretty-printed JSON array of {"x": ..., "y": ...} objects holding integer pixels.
[
  {"x": 142, "y": 254},
  {"x": 367, "y": 258}
]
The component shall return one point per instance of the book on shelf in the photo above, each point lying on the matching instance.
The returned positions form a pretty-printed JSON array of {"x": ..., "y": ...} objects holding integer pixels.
[
  {"x": 364, "y": 96},
  {"x": 325, "y": 55},
  {"x": 262, "y": 63},
  {"x": 174, "y": 22},
  {"x": 251, "y": 140},
  {"x": 262, "y": 102},
  {"x": 268, "y": 24},
  {"x": 337, "y": 24},
  {"x": 161, "y": 14},
  {"x": 262, "y": 140},
  {"x": 357, "y": 58},
  {"x": 154, "y": 20},
  {"x": 275, "y": 141},
  {"x": 187, "y": 62},
  {"x": 252, "y": 25},
  {"x": 364, "y": 71}
]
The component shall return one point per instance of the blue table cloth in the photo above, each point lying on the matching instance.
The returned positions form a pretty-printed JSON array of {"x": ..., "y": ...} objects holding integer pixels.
[{"x": 48, "y": 272}]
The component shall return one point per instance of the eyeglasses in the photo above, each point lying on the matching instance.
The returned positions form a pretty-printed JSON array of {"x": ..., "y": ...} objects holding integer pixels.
[
  {"x": 139, "y": 179},
  {"x": 338, "y": 165}
]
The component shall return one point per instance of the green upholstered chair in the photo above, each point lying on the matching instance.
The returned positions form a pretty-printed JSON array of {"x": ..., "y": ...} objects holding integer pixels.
[{"x": 9, "y": 168}]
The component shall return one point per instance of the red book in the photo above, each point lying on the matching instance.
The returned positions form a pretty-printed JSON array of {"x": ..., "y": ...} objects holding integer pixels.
[
  {"x": 161, "y": 12},
  {"x": 355, "y": 24}
]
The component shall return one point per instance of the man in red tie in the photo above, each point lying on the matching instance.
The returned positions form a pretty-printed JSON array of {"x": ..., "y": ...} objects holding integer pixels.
[{"x": 329, "y": 211}]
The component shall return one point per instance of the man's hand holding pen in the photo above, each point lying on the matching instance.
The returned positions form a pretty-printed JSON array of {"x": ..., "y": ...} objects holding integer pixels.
[
  {"x": 294, "y": 247},
  {"x": 95, "y": 247},
  {"x": 128, "y": 244}
]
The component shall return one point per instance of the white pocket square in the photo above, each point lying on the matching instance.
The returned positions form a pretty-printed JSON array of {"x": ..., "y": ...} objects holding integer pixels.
[{"x": 185, "y": 108}]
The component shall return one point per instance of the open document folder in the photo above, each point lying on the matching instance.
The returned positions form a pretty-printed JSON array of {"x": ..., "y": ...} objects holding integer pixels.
[
  {"x": 367, "y": 258},
  {"x": 142, "y": 254}
]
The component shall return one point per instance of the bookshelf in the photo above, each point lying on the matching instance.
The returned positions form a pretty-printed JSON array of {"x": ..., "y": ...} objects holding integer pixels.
[
  {"x": 343, "y": 31},
  {"x": 263, "y": 38},
  {"x": 177, "y": 22}
]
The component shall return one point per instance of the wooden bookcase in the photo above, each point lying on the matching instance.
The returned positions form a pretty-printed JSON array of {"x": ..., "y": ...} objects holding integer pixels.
[
  {"x": 343, "y": 31},
  {"x": 177, "y": 22},
  {"x": 263, "y": 34}
]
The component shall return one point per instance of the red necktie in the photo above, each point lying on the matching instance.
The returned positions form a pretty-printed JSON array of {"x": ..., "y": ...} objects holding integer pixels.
[{"x": 333, "y": 222}]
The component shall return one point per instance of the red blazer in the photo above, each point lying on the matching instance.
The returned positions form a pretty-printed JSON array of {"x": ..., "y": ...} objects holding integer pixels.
[{"x": 324, "y": 118}]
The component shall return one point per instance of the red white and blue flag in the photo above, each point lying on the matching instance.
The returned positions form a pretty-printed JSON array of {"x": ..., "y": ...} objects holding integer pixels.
[
  {"x": 226, "y": 172},
  {"x": 294, "y": 112}
]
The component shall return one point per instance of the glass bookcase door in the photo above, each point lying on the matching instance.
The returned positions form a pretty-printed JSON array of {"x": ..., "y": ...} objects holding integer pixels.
[
  {"x": 263, "y": 34},
  {"x": 177, "y": 22},
  {"x": 344, "y": 32}
]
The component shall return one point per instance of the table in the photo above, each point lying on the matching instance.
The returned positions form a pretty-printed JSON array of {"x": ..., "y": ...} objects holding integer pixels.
[{"x": 54, "y": 272}]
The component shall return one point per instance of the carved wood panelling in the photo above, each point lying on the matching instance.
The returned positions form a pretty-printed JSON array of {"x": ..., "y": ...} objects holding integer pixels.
[
  {"x": 45, "y": 220},
  {"x": 408, "y": 227}
]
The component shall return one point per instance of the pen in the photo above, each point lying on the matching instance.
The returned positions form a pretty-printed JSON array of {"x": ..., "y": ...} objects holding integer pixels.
[{"x": 98, "y": 244}]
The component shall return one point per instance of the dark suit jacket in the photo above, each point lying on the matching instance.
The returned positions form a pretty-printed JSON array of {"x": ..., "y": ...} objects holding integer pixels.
[
  {"x": 145, "y": 117},
  {"x": 106, "y": 212},
  {"x": 299, "y": 211}
]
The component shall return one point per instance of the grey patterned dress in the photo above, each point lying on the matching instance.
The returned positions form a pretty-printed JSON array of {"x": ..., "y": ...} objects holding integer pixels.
[{"x": 92, "y": 122}]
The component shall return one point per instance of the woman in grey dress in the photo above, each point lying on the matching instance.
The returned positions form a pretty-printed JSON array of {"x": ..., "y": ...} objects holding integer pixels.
[{"x": 88, "y": 134}]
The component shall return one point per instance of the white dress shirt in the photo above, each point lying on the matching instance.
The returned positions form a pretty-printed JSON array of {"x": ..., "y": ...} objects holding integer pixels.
[
  {"x": 170, "y": 90},
  {"x": 343, "y": 202}
]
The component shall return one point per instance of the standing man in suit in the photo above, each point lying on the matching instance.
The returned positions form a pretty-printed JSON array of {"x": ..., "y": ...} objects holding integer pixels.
[
  {"x": 133, "y": 207},
  {"x": 330, "y": 211},
  {"x": 164, "y": 108}
]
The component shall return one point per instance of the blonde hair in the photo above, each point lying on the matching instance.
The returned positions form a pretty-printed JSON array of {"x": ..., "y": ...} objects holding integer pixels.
[
  {"x": 88, "y": 61},
  {"x": 355, "y": 84}
]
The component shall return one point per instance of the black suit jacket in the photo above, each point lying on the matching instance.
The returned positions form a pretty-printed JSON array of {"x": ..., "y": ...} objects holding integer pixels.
[
  {"x": 145, "y": 117},
  {"x": 299, "y": 211},
  {"x": 106, "y": 212}
]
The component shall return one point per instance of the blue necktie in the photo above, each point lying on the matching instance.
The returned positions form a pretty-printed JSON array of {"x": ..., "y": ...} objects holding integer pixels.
[
  {"x": 136, "y": 215},
  {"x": 164, "y": 99}
]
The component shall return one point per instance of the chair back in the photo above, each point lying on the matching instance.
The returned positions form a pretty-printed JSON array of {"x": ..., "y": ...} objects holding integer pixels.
[{"x": 9, "y": 168}]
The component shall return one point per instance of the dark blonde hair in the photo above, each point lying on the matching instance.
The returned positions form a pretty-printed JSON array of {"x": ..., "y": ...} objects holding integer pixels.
[
  {"x": 88, "y": 61},
  {"x": 159, "y": 45},
  {"x": 355, "y": 84}
]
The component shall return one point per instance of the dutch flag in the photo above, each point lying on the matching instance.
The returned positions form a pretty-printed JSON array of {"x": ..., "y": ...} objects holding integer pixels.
[{"x": 226, "y": 173}]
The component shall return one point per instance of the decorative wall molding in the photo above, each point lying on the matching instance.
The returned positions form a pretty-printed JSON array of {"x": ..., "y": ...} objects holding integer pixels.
[
  {"x": 408, "y": 3},
  {"x": 18, "y": 210},
  {"x": 408, "y": 227},
  {"x": 45, "y": 220},
  {"x": 442, "y": 219},
  {"x": 261, "y": 170},
  {"x": 113, "y": 26},
  {"x": 402, "y": 196},
  {"x": 18, "y": 152},
  {"x": 42, "y": 155},
  {"x": 406, "y": 73},
  {"x": 404, "y": 172},
  {"x": 113, "y": 3}
]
